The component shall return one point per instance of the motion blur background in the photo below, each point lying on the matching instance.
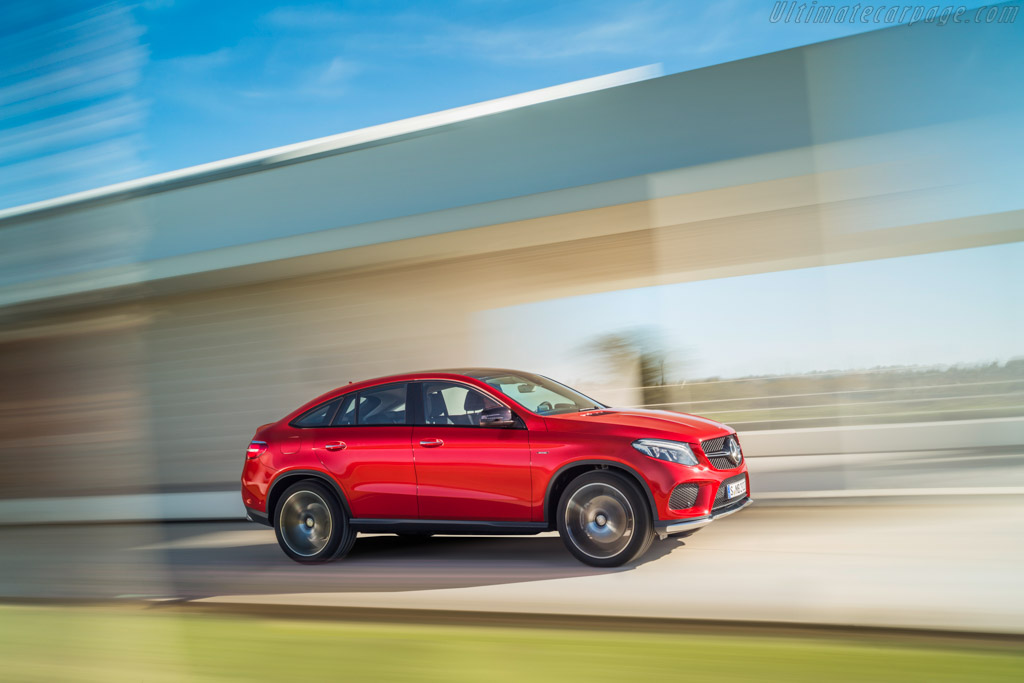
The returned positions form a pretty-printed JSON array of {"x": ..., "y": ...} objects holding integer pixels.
[{"x": 809, "y": 231}]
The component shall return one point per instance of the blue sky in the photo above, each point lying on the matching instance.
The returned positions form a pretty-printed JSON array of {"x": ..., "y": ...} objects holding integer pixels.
[
  {"x": 97, "y": 93},
  {"x": 947, "y": 308}
]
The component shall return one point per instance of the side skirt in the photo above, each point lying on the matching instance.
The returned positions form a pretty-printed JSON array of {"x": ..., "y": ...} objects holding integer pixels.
[
  {"x": 442, "y": 526},
  {"x": 258, "y": 517}
]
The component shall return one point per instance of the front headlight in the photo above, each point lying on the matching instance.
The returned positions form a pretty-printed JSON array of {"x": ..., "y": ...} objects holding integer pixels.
[{"x": 672, "y": 451}]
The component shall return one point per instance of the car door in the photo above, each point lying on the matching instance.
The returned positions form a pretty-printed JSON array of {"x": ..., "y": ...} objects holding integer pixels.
[
  {"x": 368, "y": 448},
  {"x": 465, "y": 471}
]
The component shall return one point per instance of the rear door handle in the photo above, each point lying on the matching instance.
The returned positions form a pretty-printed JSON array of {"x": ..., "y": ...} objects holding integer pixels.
[
  {"x": 335, "y": 446},
  {"x": 431, "y": 443}
]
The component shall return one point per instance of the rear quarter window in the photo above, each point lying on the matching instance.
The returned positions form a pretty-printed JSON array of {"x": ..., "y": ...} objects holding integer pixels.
[{"x": 319, "y": 416}]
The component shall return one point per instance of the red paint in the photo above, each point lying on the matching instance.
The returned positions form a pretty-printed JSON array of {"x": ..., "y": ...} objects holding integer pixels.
[
  {"x": 375, "y": 468},
  {"x": 447, "y": 472},
  {"x": 478, "y": 474}
]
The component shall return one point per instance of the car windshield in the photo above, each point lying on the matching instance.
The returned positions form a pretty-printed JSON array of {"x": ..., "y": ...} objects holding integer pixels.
[{"x": 539, "y": 394}]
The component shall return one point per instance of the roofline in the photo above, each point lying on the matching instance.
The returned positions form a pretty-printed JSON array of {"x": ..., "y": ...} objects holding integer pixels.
[
  {"x": 417, "y": 375},
  {"x": 340, "y": 143}
]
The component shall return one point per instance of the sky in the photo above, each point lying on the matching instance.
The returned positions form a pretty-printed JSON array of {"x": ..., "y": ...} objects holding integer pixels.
[
  {"x": 97, "y": 93},
  {"x": 946, "y": 308}
]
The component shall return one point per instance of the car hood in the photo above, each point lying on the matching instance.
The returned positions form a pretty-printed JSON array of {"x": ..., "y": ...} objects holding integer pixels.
[{"x": 645, "y": 422}]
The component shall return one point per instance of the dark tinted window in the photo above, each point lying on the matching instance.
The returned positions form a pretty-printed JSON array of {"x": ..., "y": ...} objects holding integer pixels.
[
  {"x": 347, "y": 413},
  {"x": 319, "y": 416},
  {"x": 450, "y": 403},
  {"x": 382, "y": 405}
]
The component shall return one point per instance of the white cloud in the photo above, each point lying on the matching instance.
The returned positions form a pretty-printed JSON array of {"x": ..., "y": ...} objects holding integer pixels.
[
  {"x": 321, "y": 81},
  {"x": 649, "y": 30},
  {"x": 338, "y": 70},
  {"x": 202, "y": 62},
  {"x": 71, "y": 118},
  {"x": 316, "y": 17}
]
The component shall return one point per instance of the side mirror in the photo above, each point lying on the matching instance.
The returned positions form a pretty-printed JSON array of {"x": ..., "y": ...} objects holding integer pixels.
[{"x": 497, "y": 417}]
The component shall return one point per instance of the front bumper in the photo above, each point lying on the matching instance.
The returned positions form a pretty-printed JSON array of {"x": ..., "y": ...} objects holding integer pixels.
[{"x": 665, "y": 529}]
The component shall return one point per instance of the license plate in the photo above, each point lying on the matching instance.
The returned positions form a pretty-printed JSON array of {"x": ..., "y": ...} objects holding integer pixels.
[{"x": 736, "y": 489}]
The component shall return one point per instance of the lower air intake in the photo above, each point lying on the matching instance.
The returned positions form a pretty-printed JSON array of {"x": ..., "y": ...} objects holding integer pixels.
[{"x": 683, "y": 496}]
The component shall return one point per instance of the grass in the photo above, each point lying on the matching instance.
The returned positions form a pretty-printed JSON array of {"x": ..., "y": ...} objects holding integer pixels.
[{"x": 87, "y": 643}]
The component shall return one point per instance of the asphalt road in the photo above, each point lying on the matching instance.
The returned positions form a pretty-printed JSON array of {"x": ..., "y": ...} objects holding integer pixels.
[{"x": 927, "y": 565}]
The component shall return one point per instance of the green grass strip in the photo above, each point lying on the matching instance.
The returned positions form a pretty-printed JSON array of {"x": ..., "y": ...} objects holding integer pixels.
[{"x": 95, "y": 644}]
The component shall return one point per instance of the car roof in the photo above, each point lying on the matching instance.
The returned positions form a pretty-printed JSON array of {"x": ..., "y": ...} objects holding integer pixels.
[
  {"x": 472, "y": 373},
  {"x": 482, "y": 372}
]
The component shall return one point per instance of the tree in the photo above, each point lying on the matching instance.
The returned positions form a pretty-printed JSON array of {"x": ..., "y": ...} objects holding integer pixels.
[{"x": 640, "y": 351}]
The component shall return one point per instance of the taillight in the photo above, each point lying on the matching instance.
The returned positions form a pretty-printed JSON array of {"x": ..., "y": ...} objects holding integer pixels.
[{"x": 255, "y": 449}]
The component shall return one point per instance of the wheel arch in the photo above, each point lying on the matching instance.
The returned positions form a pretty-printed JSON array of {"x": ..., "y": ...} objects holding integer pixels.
[
  {"x": 286, "y": 479},
  {"x": 569, "y": 471}
]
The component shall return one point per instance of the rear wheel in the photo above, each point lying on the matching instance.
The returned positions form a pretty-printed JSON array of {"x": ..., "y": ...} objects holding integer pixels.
[
  {"x": 604, "y": 520},
  {"x": 311, "y": 524}
]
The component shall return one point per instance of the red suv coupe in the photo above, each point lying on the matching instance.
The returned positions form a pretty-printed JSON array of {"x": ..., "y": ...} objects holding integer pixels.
[{"x": 483, "y": 451}]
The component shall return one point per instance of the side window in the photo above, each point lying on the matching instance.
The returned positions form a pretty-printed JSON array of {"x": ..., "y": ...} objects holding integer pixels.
[
  {"x": 382, "y": 405},
  {"x": 319, "y": 416},
  {"x": 346, "y": 415},
  {"x": 447, "y": 403}
]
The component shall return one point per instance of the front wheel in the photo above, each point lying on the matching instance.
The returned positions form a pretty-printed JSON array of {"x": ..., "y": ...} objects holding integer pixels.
[
  {"x": 604, "y": 520},
  {"x": 311, "y": 524}
]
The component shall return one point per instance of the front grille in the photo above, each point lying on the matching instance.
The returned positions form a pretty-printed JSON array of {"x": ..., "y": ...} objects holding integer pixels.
[
  {"x": 720, "y": 500},
  {"x": 722, "y": 462},
  {"x": 712, "y": 446},
  {"x": 718, "y": 451},
  {"x": 683, "y": 496}
]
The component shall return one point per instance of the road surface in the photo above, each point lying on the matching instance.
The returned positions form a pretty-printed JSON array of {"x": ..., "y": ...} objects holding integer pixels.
[{"x": 920, "y": 565}]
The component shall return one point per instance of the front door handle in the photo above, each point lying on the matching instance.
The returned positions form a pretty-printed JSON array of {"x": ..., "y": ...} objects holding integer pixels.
[
  {"x": 431, "y": 443},
  {"x": 335, "y": 446}
]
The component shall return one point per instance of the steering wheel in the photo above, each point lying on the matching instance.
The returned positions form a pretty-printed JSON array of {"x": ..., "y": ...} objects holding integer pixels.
[{"x": 544, "y": 407}]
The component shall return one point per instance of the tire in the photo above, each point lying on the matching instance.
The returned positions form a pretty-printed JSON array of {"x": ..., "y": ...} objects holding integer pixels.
[
  {"x": 604, "y": 519},
  {"x": 311, "y": 525}
]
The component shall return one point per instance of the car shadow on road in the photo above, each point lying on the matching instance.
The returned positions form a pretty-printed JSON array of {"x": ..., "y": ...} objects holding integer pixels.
[{"x": 385, "y": 563}]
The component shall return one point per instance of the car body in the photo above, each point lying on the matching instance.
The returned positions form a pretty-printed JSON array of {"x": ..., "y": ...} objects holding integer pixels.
[{"x": 488, "y": 451}]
